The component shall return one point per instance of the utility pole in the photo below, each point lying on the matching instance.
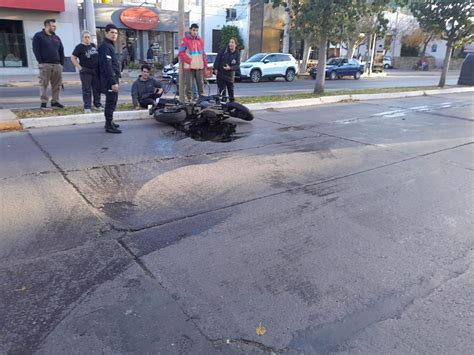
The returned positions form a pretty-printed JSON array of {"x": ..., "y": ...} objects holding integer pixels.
[
  {"x": 181, "y": 35},
  {"x": 203, "y": 21},
  {"x": 90, "y": 19}
]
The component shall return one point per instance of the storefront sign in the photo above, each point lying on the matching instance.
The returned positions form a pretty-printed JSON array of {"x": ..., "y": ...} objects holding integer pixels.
[
  {"x": 139, "y": 18},
  {"x": 50, "y": 5}
]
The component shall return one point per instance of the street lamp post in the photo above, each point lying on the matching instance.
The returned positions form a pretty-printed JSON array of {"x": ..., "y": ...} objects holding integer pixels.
[
  {"x": 90, "y": 19},
  {"x": 181, "y": 35}
]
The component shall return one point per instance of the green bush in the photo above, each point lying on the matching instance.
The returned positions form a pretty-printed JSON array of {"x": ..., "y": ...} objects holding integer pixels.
[{"x": 227, "y": 33}]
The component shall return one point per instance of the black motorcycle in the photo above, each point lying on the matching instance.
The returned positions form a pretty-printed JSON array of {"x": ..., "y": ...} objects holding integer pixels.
[{"x": 203, "y": 119}]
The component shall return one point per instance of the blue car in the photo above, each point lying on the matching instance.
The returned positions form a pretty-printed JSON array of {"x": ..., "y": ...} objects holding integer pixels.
[{"x": 339, "y": 67}]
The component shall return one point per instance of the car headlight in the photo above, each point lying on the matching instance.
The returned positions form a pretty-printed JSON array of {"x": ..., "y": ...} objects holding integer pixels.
[{"x": 245, "y": 66}]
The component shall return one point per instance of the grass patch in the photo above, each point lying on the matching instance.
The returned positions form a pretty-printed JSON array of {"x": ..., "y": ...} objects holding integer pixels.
[
  {"x": 74, "y": 110},
  {"x": 289, "y": 97}
]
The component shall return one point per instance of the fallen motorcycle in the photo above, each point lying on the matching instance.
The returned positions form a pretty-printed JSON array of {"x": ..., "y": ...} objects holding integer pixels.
[{"x": 203, "y": 119}]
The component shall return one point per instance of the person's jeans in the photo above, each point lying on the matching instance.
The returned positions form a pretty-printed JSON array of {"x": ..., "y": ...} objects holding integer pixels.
[
  {"x": 90, "y": 86},
  {"x": 50, "y": 73},
  {"x": 191, "y": 75}
]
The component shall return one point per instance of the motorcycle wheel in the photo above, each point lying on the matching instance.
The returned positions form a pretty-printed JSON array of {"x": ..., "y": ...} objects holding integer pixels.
[{"x": 234, "y": 109}]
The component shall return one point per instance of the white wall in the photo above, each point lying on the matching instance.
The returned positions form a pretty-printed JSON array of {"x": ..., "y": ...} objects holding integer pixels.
[
  {"x": 215, "y": 16},
  {"x": 67, "y": 29}
]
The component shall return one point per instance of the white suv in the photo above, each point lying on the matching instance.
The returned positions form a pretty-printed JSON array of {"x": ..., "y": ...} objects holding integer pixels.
[{"x": 269, "y": 65}]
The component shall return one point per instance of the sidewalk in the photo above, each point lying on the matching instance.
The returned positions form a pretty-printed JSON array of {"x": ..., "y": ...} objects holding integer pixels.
[{"x": 32, "y": 79}]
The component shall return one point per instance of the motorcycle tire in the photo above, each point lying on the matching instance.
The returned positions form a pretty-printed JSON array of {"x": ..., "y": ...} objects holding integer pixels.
[
  {"x": 234, "y": 109},
  {"x": 172, "y": 115}
]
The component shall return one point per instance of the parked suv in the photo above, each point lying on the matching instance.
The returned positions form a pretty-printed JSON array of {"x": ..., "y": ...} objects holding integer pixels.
[{"x": 269, "y": 65}]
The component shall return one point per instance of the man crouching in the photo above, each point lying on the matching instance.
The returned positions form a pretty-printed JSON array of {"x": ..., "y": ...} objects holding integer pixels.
[{"x": 146, "y": 89}]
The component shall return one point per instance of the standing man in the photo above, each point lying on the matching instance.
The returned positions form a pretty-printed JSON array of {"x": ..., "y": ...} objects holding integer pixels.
[
  {"x": 88, "y": 66},
  {"x": 109, "y": 76},
  {"x": 49, "y": 53},
  {"x": 192, "y": 53},
  {"x": 225, "y": 66}
]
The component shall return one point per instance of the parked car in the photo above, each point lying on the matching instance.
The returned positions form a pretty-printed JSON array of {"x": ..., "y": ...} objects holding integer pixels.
[
  {"x": 269, "y": 65},
  {"x": 339, "y": 67},
  {"x": 168, "y": 69},
  {"x": 387, "y": 62}
]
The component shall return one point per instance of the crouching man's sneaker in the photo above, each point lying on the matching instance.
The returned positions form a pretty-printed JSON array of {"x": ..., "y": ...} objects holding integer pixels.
[
  {"x": 98, "y": 108},
  {"x": 56, "y": 104}
]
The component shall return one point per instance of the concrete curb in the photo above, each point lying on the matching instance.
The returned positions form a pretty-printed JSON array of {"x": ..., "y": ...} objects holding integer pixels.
[
  {"x": 42, "y": 122},
  {"x": 143, "y": 114},
  {"x": 356, "y": 97}
]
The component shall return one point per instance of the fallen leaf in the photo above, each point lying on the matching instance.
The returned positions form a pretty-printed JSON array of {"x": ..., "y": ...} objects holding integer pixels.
[{"x": 260, "y": 329}]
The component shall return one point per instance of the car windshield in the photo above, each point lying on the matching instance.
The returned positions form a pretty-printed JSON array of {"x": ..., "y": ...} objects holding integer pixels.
[
  {"x": 335, "y": 61},
  {"x": 211, "y": 58},
  {"x": 256, "y": 58}
]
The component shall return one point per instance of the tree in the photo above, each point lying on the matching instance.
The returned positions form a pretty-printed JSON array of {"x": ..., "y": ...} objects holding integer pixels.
[
  {"x": 451, "y": 19},
  {"x": 327, "y": 19},
  {"x": 229, "y": 32}
]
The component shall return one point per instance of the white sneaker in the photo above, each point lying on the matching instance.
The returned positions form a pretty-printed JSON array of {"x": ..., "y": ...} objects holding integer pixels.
[
  {"x": 100, "y": 109},
  {"x": 87, "y": 110}
]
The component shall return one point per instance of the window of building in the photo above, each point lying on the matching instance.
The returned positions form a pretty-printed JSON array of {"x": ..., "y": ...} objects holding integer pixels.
[
  {"x": 434, "y": 48},
  {"x": 12, "y": 44},
  {"x": 231, "y": 14}
]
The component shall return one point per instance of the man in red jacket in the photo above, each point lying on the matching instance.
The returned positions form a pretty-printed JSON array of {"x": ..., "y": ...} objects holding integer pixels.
[{"x": 192, "y": 53}]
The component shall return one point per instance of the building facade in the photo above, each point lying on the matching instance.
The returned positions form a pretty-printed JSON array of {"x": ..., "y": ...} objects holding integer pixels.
[
  {"x": 21, "y": 19},
  {"x": 140, "y": 27}
]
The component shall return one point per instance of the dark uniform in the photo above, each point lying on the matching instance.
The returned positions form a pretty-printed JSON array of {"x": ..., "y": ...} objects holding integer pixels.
[{"x": 109, "y": 67}]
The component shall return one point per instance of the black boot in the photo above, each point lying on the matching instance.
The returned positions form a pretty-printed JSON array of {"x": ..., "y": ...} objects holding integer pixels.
[
  {"x": 115, "y": 125},
  {"x": 110, "y": 128}
]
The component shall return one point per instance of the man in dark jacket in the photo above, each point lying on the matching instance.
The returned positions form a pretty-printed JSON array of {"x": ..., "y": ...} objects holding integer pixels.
[
  {"x": 225, "y": 65},
  {"x": 109, "y": 67},
  {"x": 145, "y": 90},
  {"x": 49, "y": 53}
]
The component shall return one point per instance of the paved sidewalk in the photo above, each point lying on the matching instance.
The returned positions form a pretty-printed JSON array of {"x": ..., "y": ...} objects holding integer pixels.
[{"x": 32, "y": 79}]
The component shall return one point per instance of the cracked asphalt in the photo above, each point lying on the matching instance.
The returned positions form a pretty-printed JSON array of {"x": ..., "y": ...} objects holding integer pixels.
[{"x": 342, "y": 228}]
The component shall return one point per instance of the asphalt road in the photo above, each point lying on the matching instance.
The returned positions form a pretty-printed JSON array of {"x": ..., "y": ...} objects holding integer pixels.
[
  {"x": 339, "y": 229},
  {"x": 28, "y": 97}
]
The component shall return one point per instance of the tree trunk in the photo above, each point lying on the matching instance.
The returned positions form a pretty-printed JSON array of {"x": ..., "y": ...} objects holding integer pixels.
[
  {"x": 321, "y": 73},
  {"x": 306, "y": 52},
  {"x": 425, "y": 44},
  {"x": 286, "y": 32},
  {"x": 447, "y": 59},
  {"x": 350, "y": 48}
]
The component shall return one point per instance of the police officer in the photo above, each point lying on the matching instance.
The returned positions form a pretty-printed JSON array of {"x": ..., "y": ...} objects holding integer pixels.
[{"x": 109, "y": 76}]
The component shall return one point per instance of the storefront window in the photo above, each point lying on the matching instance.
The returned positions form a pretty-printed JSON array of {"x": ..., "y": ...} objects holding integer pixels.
[{"x": 12, "y": 44}]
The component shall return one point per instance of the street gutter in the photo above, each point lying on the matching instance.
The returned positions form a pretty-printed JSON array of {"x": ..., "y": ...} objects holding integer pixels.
[{"x": 42, "y": 122}]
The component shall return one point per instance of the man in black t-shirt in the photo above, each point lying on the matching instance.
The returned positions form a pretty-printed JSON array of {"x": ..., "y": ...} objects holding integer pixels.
[{"x": 88, "y": 66}]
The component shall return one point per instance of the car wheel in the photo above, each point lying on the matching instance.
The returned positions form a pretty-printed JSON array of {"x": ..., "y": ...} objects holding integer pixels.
[
  {"x": 386, "y": 66},
  {"x": 314, "y": 77},
  {"x": 290, "y": 75},
  {"x": 255, "y": 76},
  {"x": 357, "y": 75},
  {"x": 333, "y": 75}
]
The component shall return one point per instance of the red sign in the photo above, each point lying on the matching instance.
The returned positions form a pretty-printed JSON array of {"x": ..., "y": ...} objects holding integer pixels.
[
  {"x": 50, "y": 5},
  {"x": 139, "y": 18}
]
